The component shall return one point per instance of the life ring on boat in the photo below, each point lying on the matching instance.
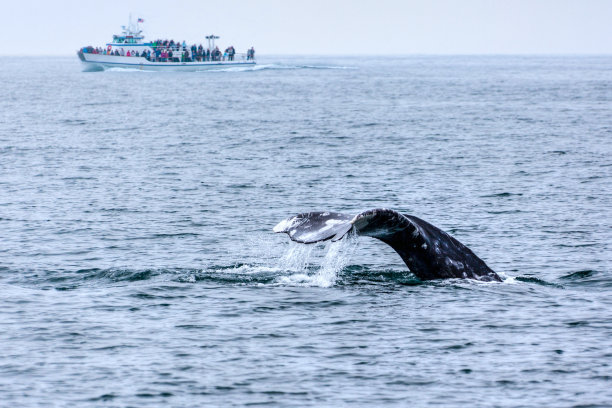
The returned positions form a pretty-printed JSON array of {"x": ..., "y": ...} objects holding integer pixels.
[{"x": 109, "y": 48}]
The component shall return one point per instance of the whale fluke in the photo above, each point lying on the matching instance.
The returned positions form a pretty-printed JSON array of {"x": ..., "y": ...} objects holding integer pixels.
[{"x": 429, "y": 252}]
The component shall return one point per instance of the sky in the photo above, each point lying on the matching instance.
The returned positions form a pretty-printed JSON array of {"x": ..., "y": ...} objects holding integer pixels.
[{"x": 319, "y": 27}]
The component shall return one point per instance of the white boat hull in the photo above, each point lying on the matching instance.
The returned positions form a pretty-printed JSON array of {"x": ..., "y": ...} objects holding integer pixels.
[{"x": 100, "y": 62}]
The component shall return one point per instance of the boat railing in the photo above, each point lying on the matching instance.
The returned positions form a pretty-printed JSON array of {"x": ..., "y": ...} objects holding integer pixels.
[{"x": 177, "y": 57}]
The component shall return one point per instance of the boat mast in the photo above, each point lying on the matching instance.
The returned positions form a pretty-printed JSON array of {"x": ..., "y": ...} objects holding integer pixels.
[
  {"x": 132, "y": 30},
  {"x": 211, "y": 41}
]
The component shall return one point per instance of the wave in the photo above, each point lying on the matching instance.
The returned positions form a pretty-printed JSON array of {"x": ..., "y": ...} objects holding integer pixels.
[
  {"x": 579, "y": 275},
  {"x": 293, "y": 265},
  {"x": 586, "y": 278},
  {"x": 296, "y": 269},
  {"x": 537, "y": 281},
  {"x": 234, "y": 275}
]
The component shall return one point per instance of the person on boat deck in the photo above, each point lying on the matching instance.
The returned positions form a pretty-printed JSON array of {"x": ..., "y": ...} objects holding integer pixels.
[
  {"x": 122, "y": 52},
  {"x": 128, "y": 54}
]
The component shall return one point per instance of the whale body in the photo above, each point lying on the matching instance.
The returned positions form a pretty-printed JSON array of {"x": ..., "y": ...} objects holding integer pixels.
[{"x": 429, "y": 252}]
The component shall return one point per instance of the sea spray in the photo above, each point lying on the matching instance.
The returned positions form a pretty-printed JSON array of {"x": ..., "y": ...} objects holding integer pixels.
[
  {"x": 314, "y": 265},
  {"x": 297, "y": 258},
  {"x": 336, "y": 257}
]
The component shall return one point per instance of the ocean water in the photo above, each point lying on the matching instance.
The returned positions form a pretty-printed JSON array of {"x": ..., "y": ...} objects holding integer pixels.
[{"x": 138, "y": 265}]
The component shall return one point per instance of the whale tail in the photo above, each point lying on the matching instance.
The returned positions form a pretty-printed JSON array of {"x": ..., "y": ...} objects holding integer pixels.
[{"x": 429, "y": 252}]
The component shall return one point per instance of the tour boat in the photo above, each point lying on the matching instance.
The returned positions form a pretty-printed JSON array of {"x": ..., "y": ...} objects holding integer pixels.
[{"x": 129, "y": 50}]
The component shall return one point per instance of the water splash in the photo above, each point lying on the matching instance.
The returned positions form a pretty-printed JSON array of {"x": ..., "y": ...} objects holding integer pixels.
[
  {"x": 310, "y": 268},
  {"x": 297, "y": 258},
  {"x": 509, "y": 279},
  {"x": 336, "y": 258}
]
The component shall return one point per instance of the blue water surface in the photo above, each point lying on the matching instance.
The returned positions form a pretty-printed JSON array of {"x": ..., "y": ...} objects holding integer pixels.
[{"x": 138, "y": 265}]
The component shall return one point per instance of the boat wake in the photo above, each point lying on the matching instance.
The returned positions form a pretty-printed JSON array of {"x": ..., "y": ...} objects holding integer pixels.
[
  {"x": 93, "y": 68},
  {"x": 121, "y": 69},
  {"x": 250, "y": 68},
  {"x": 271, "y": 67}
]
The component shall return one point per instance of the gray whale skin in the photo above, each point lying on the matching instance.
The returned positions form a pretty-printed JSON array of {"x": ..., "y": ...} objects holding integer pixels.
[{"x": 429, "y": 252}]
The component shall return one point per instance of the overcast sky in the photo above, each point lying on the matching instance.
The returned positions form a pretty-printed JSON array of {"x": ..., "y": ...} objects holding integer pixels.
[{"x": 347, "y": 27}]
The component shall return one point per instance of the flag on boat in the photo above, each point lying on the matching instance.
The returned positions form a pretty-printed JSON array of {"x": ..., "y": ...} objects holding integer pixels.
[{"x": 140, "y": 20}]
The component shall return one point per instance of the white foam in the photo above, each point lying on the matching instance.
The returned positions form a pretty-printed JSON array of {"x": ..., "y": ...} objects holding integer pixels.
[{"x": 510, "y": 279}]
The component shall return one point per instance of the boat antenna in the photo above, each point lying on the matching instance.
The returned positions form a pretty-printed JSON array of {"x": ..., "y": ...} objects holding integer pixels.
[{"x": 211, "y": 41}]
